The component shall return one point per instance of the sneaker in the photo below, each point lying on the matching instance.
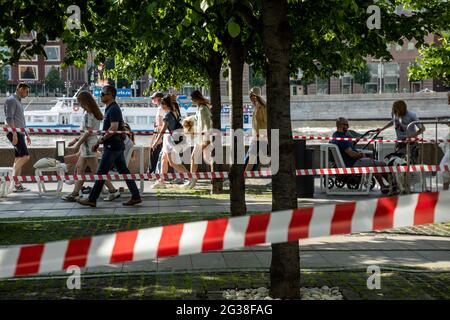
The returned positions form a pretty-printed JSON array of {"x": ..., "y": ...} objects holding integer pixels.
[
  {"x": 159, "y": 185},
  {"x": 69, "y": 197},
  {"x": 191, "y": 184},
  {"x": 20, "y": 188},
  {"x": 86, "y": 190},
  {"x": 179, "y": 181},
  {"x": 112, "y": 196}
]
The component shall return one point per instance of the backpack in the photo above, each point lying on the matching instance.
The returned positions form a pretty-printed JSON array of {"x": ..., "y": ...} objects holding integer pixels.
[{"x": 178, "y": 125}]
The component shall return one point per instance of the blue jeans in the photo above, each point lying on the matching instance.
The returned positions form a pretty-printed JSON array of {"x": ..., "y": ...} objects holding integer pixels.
[{"x": 113, "y": 159}]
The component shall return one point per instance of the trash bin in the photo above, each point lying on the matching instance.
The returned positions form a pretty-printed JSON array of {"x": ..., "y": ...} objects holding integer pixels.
[{"x": 304, "y": 160}]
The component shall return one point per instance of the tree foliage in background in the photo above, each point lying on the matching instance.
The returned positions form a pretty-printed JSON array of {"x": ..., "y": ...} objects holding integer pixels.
[
  {"x": 433, "y": 62},
  {"x": 53, "y": 80},
  {"x": 363, "y": 75},
  {"x": 3, "y": 80}
]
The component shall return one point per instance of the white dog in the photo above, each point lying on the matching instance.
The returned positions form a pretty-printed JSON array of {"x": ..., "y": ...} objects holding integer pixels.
[
  {"x": 399, "y": 177},
  {"x": 403, "y": 185}
]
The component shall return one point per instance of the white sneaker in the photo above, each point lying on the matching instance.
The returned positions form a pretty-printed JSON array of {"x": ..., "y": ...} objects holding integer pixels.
[
  {"x": 191, "y": 184},
  {"x": 159, "y": 185},
  {"x": 112, "y": 196}
]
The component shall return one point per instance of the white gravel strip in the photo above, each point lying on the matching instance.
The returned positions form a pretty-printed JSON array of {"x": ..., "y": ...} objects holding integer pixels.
[{"x": 324, "y": 293}]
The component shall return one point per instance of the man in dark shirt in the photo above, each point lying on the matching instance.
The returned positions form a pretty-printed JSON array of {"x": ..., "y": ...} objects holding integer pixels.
[
  {"x": 354, "y": 158},
  {"x": 113, "y": 153}
]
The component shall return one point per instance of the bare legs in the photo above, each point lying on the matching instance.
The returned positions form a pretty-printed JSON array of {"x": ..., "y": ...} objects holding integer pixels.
[
  {"x": 92, "y": 163},
  {"x": 18, "y": 165}
]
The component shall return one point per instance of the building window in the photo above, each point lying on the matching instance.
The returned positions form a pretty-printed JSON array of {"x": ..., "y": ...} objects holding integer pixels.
[
  {"x": 129, "y": 119},
  {"x": 25, "y": 57},
  {"x": 294, "y": 90},
  {"x": 391, "y": 69},
  {"x": 411, "y": 46},
  {"x": 398, "y": 48},
  {"x": 49, "y": 67},
  {"x": 347, "y": 84},
  {"x": 390, "y": 84},
  {"x": 141, "y": 120},
  {"x": 52, "y": 53},
  {"x": 322, "y": 86},
  {"x": 416, "y": 86},
  {"x": 6, "y": 71},
  {"x": 28, "y": 72}
]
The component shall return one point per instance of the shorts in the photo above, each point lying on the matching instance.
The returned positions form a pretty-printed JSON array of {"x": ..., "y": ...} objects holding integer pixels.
[{"x": 20, "y": 149}]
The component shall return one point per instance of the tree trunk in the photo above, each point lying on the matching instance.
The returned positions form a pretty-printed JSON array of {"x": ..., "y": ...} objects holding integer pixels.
[
  {"x": 237, "y": 180},
  {"x": 276, "y": 36},
  {"x": 215, "y": 65}
]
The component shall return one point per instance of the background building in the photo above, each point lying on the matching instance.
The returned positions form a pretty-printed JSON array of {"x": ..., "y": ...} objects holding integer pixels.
[{"x": 34, "y": 70}]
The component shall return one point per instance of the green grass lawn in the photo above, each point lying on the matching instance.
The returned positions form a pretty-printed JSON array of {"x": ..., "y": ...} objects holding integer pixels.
[{"x": 394, "y": 285}]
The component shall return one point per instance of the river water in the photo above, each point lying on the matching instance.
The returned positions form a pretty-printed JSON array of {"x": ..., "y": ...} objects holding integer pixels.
[{"x": 316, "y": 128}]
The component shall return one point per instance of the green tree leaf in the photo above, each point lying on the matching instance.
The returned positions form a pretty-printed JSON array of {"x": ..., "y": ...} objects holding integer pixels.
[{"x": 233, "y": 28}]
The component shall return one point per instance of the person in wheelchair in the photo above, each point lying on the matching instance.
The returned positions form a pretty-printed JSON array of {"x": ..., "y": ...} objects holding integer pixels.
[
  {"x": 401, "y": 118},
  {"x": 353, "y": 158}
]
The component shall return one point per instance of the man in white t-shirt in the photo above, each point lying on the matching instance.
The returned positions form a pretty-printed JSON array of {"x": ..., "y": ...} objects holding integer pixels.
[{"x": 159, "y": 123}]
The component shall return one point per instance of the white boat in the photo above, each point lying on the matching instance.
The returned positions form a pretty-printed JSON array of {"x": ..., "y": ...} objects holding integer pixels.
[{"x": 139, "y": 113}]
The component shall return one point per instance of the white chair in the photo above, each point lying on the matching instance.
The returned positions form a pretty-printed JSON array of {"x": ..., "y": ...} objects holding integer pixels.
[
  {"x": 5, "y": 186},
  {"x": 325, "y": 150},
  {"x": 58, "y": 170}
]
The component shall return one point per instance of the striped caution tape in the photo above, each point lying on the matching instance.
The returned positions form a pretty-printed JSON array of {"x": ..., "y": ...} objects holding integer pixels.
[
  {"x": 228, "y": 233},
  {"x": 151, "y": 132},
  {"x": 327, "y": 138},
  {"x": 224, "y": 174}
]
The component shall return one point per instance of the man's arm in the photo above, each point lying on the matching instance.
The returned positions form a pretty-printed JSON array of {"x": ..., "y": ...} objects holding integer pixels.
[
  {"x": 352, "y": 153},
  {"x": 114, "y": 127},
  {"x": 10, "y": 110}
]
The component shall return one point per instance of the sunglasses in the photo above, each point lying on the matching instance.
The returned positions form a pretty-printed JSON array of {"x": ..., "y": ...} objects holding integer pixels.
[{"x": 105, "y": 94}]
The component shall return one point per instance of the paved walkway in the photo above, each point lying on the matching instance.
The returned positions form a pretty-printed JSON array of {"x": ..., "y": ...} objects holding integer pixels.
[
  {"x": 346, "y": 252},
  {"x": 30, "y": 204},
  {"x": 349, "y": 251}
]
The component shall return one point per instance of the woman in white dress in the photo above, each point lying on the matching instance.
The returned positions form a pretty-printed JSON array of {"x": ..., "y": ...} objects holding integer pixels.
[
  {"x": 92, "y": 118},
  {"x": 203, "y": 121}
]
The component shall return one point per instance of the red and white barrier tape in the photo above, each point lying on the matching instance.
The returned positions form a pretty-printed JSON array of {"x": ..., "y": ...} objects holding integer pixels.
[
  {"x": 326, "y": 138},
  {"x": 150, "y": 133},
  {"x": 225, "y": 174},
  {"x": 228, "y": 233}
]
